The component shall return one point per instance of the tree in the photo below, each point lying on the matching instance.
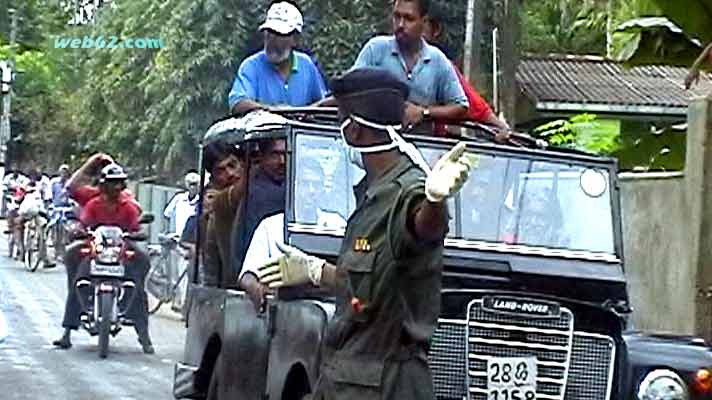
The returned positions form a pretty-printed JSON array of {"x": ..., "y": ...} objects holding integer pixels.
[
  {"x": 41, "y": 115},
  {"x": 564, "y": 26},
  {"x": 676, "y": 34}
]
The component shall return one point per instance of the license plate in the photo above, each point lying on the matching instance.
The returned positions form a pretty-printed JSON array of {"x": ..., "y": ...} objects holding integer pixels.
[
  {"x": 107, "y": 270},
  {"x": 511, "y": 378}
]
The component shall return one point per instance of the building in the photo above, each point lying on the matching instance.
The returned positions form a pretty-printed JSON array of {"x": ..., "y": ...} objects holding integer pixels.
[{"x": 646, "y": 105}]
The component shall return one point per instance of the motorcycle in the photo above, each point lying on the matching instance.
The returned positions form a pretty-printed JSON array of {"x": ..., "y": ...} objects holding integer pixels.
[{"x": 108, "y": 292}]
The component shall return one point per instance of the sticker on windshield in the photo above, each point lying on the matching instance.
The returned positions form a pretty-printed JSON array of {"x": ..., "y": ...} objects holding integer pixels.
[{"x": 593, "y": 182}]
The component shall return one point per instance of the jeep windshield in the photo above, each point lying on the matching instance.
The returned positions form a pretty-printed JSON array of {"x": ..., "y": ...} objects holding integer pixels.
[{"x": 526, "y": 202}]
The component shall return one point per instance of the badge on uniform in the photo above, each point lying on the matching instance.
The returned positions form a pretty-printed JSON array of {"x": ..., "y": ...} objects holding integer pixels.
[{"x": 362, "y": 245}]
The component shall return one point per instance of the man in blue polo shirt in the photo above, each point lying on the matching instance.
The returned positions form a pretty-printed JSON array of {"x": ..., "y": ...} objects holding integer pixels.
[
  {"x": 435, "y": 90},
  {"x": 277, "y": 75}
]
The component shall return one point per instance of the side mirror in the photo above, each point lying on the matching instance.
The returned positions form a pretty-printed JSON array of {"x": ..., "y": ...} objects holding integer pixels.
[
  {"x": 146, "y": 219},
  {"x": 136, "y": 236}
]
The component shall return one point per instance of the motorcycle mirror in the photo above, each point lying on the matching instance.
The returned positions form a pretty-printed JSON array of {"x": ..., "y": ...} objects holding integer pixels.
[
  {"x": 136, "y": 236},
  {"x": 147, "y": 219},
  {"x": 80, "y": 235}
]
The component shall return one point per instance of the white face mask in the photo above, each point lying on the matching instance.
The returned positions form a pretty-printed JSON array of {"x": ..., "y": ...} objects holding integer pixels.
[
  {"x": 355, "y": 157},
  {"x": 396, "y": 142}
]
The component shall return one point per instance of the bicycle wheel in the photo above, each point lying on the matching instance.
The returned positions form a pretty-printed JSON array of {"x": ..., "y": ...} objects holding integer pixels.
[
  {"x": 156, "y": 285},
  {"x": 11, "y": 244},
  {"x": 42, "y": 250},
  {"x": 179, "y": 289},
  {"x": 31, "y": 247},
  {"x": 58, "y": 240}
]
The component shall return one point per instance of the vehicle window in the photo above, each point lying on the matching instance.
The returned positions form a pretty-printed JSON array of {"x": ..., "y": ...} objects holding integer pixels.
[
  {"x": 536, "y": 203},
  {"x": 506, "y": 199}
]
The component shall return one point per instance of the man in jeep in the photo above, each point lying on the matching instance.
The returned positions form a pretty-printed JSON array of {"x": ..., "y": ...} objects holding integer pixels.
[{"x": 220, "y": 205}]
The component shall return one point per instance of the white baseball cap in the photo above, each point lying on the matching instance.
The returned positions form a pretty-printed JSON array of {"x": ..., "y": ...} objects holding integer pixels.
[
  {"x": 192, "y": 177},
  {"x": 283, "y": 18}
]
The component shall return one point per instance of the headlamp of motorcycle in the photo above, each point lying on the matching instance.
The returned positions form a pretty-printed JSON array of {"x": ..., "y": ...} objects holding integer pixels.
[
  {"x": 108, "y": 254},
  {"x": 662, "y": 384}
]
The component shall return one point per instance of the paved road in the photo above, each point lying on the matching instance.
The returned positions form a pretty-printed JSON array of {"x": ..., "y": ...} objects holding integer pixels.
[{"x": 31, "y": 368}]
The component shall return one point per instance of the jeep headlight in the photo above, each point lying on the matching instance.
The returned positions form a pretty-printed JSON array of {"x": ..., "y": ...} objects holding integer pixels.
[{"x": 662, "y": 384}]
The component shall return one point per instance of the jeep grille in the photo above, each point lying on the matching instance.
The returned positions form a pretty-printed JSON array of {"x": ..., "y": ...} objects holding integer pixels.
[{"x": 577, "y": 364}]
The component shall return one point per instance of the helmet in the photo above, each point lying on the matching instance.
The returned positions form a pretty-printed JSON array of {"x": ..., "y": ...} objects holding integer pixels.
[
  {"x": 112, "y": 172},
  {"x": 63, "y": 167},
  {"x": 192, "y": 178}
]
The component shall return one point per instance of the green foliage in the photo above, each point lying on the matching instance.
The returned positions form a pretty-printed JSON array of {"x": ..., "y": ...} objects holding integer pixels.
[
  {"x": 692, "y": 16},
  {"x": 42, "y": 112},
  {"x": 564, "y": 26},
  {"x": 653, "y": 40},
  {"x": 339, "y": 29},
  {"x": 675, "y": 37},
  {"x": 583, "y": 132}
]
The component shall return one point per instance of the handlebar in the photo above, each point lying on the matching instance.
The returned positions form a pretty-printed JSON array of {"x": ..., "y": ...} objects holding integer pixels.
[{"x": 132, "y": 236}]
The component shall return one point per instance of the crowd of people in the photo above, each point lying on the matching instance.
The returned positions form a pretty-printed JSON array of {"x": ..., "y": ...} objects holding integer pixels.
[{"x": 26, "y": 195}]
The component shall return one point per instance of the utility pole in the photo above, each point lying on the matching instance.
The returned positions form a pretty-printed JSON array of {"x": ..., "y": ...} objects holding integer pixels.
[
  {"x": 7, "y": 77},
  {"x": 492, "y": 52}
]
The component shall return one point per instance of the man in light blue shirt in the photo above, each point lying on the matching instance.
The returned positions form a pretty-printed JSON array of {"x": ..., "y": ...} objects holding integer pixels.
[
  {"x": 435, "y": 90},
  {"x": 60, "y": 197},
  {"x": 277, "y": 75}
]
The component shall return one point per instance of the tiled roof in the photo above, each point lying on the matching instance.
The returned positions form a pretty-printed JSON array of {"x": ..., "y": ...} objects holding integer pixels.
[{"x": 599, "y": 82}]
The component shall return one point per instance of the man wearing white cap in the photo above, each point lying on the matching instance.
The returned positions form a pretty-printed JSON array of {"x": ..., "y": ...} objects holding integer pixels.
[
  {"x": 278, "y": 75},
  {"x": 183, "y": 204}
]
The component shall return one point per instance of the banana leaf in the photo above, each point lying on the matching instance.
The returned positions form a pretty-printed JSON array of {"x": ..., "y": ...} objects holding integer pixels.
[
  {"x": 654, "y": 40},
  {"x": 694, "y": 17}
]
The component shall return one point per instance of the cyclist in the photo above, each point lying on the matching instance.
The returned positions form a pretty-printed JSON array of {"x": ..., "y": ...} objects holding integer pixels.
[{"x": 33, "y": 206}]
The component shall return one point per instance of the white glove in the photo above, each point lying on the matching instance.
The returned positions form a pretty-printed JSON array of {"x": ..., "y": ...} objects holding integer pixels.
[
  {"x": 449, "y": 174},
  {"x": 292, "y": 268}
]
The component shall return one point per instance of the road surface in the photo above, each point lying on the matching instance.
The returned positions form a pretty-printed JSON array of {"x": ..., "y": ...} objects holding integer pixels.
[{"x": 31, "y": 368}]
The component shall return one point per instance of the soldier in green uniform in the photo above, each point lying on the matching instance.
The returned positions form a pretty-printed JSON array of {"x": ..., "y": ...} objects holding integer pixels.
[{"x": 388, "y": 276}]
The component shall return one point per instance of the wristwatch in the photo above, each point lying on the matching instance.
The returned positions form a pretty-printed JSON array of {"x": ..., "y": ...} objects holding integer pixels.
[{"x": 426, "y": 113}]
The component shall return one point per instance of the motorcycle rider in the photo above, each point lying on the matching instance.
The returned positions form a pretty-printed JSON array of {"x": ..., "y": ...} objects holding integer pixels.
[
  {"x": 33, "y": 206},
  {"x": 108, "y": 204}
]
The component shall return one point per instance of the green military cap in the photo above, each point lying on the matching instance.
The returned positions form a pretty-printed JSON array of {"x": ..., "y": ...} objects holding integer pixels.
[{"x": 373, "y": 94}]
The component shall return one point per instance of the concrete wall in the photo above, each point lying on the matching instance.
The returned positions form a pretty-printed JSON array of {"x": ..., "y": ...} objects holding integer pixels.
[
  {"x": 656, "y": 248},
  {"x": 153, "y": 199},
  {"x": 667, "y": 227}
]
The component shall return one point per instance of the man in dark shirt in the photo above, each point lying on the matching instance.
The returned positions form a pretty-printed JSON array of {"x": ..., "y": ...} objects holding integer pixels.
[{"x": 265, "y": 197}]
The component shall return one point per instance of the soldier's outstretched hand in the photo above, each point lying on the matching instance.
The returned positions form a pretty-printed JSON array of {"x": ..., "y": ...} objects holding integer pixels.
[
  {"x": 292, "y": 268},
  {"x": 449, "y": 174}
]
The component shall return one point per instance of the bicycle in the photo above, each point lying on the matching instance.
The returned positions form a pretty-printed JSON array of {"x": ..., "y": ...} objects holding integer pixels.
[
  {"x": 58, "y": 227},
  {"x": 15, "y": 238},
  {"x": 36, "y": 242},
  {"x": 163, "y": 281}
]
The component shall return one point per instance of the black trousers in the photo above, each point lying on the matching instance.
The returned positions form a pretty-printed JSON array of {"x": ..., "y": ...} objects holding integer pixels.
[{"x": 76, "y": 268}]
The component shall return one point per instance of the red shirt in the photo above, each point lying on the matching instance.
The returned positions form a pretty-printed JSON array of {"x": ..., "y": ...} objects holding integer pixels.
[
  {"x": 96, "y": 211},
  {"x": 479, "y": 109}
]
